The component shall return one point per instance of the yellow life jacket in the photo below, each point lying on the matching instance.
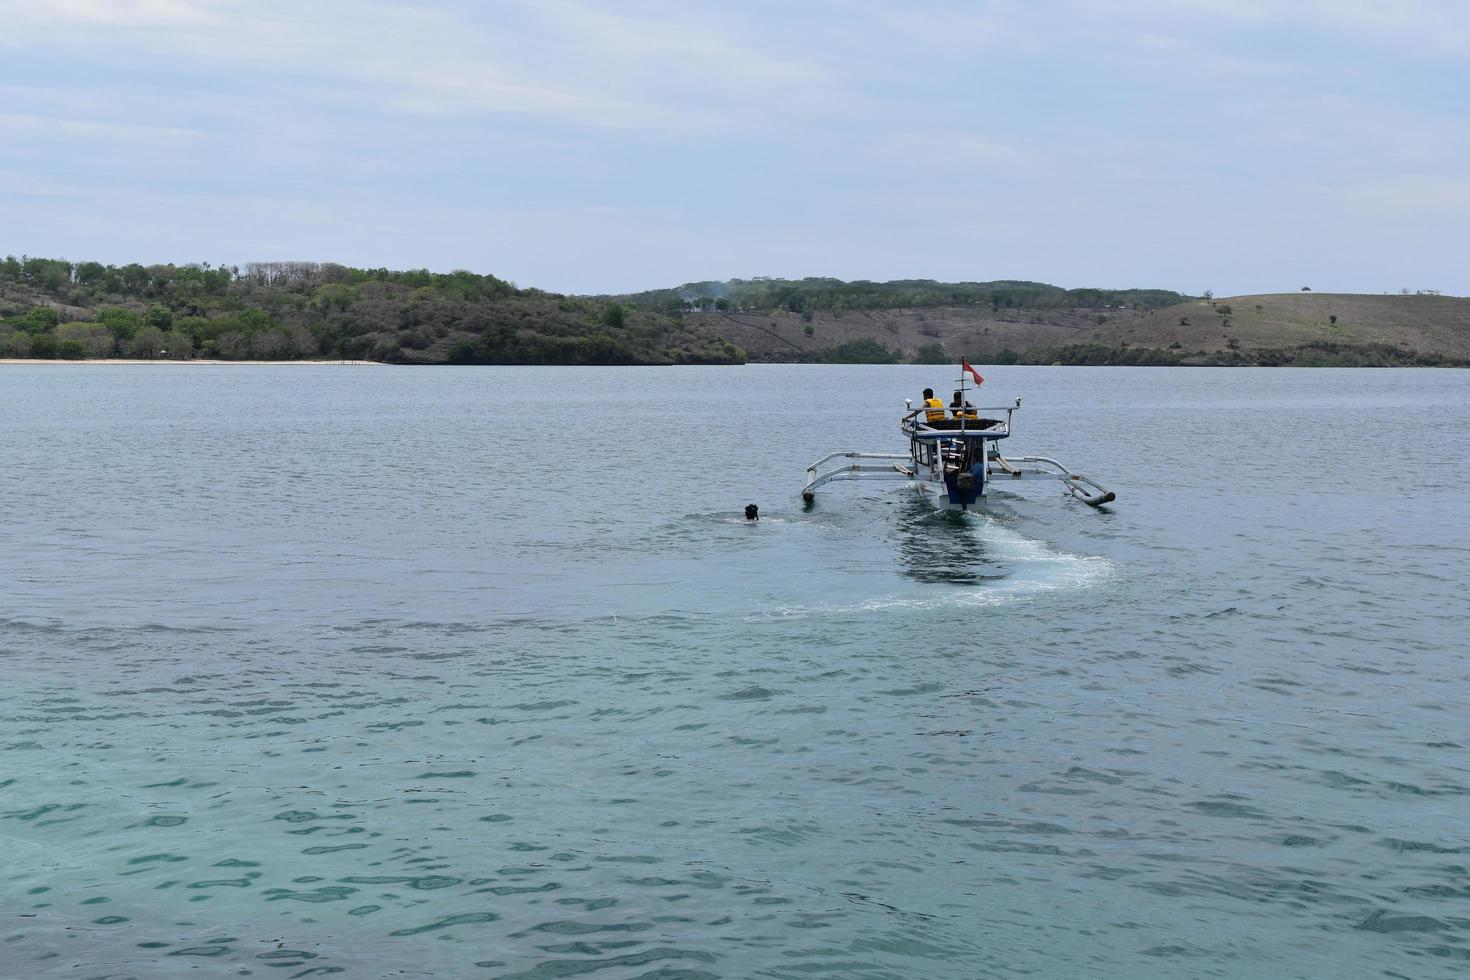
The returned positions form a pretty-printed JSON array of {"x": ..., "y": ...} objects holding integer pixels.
[
  {"x": 962, "y": 413},
  {"x": 935, "y": 410}
]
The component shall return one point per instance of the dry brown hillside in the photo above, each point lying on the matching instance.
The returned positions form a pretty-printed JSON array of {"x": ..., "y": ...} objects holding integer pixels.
[
  {"x": 1267, "y": 329},
  {"x": 1429, "y": 324}
]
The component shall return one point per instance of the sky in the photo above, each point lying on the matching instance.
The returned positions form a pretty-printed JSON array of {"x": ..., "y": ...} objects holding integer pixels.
[{"x": 1241, "y": 146}]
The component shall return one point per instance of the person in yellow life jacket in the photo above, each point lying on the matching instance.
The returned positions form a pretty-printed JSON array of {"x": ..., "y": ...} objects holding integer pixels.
[
  {"x": 962, "y": 409},
  {"x": 934, "y": 408}
]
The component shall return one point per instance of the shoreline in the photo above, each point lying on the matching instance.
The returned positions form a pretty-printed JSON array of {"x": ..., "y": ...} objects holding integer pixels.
[
  {"x": 216, "y": 362},
  {"x": 191, "y": 360}
]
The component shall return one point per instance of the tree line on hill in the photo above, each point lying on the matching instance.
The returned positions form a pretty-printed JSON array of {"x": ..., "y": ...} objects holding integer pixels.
[
  {"x": 292, "y": 310},
  {"x": 822, "y": 295}
]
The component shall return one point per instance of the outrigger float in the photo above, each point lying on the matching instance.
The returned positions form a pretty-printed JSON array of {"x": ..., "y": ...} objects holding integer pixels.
[{"x": 951, "y": 459}]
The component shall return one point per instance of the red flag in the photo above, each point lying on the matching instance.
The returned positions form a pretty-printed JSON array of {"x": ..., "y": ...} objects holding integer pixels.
[{"x": 973, "y": 373}]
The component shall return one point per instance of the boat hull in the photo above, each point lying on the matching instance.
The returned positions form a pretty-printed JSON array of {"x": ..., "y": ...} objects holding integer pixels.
[{"x": 953, "y": 491}]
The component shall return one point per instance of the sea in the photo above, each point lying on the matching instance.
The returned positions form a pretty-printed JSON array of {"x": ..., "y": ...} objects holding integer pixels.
[{"x": 480, "y": 672}]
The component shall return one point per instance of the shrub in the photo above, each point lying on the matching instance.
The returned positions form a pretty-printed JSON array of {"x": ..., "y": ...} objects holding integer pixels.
[
  {"x": 95, "y": 339},
  {"x": 71, "y": 350},
  {"x": 180, "y": 345},
  {"x": 147, "y": 342},
  {"x": 159, "y": 316},
  {"x": 860, "y": 352},
  {"x": 122, "y": 322},
  {"x": 38, "y": 320},
  {"x": 931, "y": 354}
]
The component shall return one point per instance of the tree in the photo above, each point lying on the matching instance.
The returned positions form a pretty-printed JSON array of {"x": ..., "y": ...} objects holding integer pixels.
[
  {"x": 146, "y": 342},
  {"x": 931, "y": 354},
  {"x": 133, "y": 278},
  {"x": 49, "y": 274},
  {"x": 17, "y": 344},
  {"x": 159, "y": 316},
  {"x": 43, "y": 345},
  {"x": 179, "y": 344},
  {"x": 89, "y": 273},
  {"x": 71, "y": 350},
  {"x": 95, "y": 339},
  {"x": 38, "y": 320},
  {"x": 614, "y": 316},
  {"x": 1332, "y": 319}
]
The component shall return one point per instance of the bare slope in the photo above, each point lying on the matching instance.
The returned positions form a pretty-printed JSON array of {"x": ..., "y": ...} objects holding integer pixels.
[
  {"x": 1429, "y": 324},
  {"x": 1266, "y": 329}
]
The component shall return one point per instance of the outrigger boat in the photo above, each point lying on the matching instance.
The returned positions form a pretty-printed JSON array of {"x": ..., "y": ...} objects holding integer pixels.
[{"x": 951, "y": 459}]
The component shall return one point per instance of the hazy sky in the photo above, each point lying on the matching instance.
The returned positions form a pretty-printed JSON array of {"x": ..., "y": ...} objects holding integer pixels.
[{"x": 1234, "y": 145}]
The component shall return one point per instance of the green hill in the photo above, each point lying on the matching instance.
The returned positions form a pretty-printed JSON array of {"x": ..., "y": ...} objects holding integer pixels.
[{"x": 300, "y": 310}]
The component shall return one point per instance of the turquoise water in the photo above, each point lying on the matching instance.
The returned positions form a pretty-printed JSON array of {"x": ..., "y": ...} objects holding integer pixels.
[{"x": 386, "y": 672}]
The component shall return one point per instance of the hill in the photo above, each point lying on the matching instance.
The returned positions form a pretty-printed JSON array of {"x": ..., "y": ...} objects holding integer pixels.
[
  {"x": 1304, "y": 329},
  {"x": 819, "y": 295},
  {"x": 291, "y": 310}
]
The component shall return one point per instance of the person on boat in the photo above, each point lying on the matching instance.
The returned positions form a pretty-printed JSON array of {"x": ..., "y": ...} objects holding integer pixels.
[
  {"x": 961, "y": 408},
  {"x": 933, "y": 407}
]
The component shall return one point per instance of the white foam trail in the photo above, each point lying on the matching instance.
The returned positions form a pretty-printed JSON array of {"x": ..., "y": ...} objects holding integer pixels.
[{"x": 1038, "y": 569}]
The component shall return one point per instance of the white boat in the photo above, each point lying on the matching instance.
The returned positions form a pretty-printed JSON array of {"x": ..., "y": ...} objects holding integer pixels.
[{"x": 952, "y": 459}]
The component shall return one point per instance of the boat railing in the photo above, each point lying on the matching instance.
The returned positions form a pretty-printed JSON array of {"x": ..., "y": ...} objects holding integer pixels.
[{"x": 912, "y": 416}]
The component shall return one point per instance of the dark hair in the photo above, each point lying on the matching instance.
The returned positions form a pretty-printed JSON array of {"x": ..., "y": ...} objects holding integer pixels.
[
  {"x": 957, "y": 397},
  {"x": 928, "y": 392}
]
